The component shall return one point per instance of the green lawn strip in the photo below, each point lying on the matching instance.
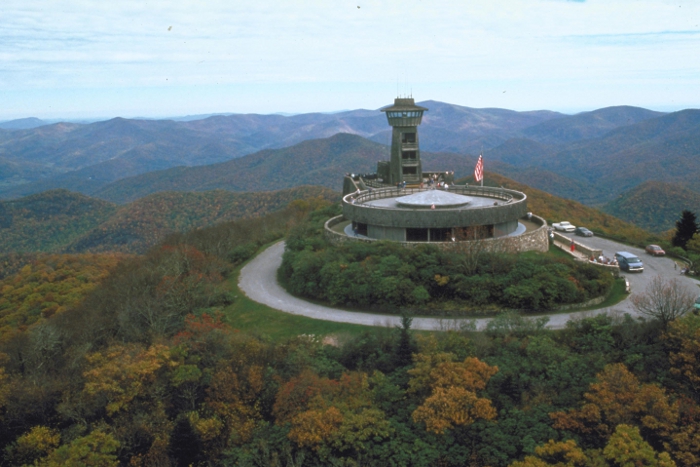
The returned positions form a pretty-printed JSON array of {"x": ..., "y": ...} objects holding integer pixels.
[
  {"x": 617, "y": 294},
  {"x": 255, "y": 318},
  {"x": 557, "y": 252},
  {"x": 252, "y": 317}
]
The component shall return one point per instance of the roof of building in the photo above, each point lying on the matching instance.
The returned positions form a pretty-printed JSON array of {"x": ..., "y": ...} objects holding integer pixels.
[
  {"x": 430, "y": 198},
  {"x": 403, "y": 104}
]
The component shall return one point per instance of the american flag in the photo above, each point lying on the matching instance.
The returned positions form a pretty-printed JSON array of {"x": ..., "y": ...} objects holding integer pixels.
[{"x": 479, "y": 169}]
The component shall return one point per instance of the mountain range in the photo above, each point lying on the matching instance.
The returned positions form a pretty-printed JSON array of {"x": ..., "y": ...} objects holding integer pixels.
[
  {"x": 86, "y": 157},
  {"x": 64, "y": 221},
  {"x": 654, "y": 206},
  {"x": 592, "y": 157}
]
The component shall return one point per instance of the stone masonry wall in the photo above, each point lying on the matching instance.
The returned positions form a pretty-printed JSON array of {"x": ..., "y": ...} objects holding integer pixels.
[{"x": 535, "y": 240}]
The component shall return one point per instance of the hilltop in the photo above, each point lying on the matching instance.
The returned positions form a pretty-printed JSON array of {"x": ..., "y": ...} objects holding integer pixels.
[
  {"x": 587, "y": 125},
  {"x": 62, "y": 221},
  {"x": 655, "y": 206},
  {"x": 316, "y": 162},
  {"x": 665, "y": 149},
  {"x": 555, "y": 209}
]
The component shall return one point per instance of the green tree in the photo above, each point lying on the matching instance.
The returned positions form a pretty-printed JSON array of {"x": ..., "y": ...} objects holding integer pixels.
[
  {"x": 626, "y": 448},
  {"x": 686, "y": 227},
  {"x": 406, "y": 347},
  {"x": 94, "y": 450}
]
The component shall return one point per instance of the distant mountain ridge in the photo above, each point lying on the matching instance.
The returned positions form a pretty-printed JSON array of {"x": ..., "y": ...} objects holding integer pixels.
[
  {"x": 85, "y": 157},
  {"x": 593, "y": 157},
  {"x": 652, "y": 205},
  {"x": 22, "y": 123},
  {"x": 587, "y": 125},
  {"x": 63, "y": 221}
]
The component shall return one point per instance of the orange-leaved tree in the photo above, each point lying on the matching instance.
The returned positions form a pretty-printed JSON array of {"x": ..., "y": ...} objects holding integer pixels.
[
  {"x": 617, "y": 397},
  {"x": 451, "y": 388},
  {"x": 331, "y": 415},
  {"x": 683, "y": 341},
  {"x": 123, "y": 373}
]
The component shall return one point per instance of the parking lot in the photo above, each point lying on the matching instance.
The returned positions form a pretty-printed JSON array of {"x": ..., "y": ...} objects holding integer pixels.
[{"x": 653, "y": 265}]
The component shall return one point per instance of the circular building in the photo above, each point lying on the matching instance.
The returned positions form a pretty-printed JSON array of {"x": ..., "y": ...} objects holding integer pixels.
[
  {"x": 434, "y": 215},
  {"x": 403, "y": 203}
]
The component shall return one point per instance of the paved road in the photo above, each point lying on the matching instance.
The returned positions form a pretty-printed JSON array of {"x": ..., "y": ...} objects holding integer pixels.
[
  {"x": 258, "y": 280},
  {"x": 653, "y": 265}
]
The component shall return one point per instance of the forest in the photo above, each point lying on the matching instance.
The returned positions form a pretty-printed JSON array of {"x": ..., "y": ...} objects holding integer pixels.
[
  {"x": 145, "y": 366},
  {"x": 60, "y": 221}
]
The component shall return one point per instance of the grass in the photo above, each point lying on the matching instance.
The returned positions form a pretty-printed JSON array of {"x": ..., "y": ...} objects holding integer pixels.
[
  {"x": 617, "y": 294},
  {"x": 255, "y": 318},
  {"x": 558, "y": 252}
]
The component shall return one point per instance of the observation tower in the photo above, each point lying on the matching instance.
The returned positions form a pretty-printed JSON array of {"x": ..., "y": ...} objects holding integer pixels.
[
  {"x": 403, "y": 203},
  {"x": 404, "y": 116}
]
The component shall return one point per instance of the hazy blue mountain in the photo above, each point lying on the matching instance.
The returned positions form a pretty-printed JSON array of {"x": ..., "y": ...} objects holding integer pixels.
[
  {"x": 455, "y": 128},
  {"x": 521, "y": 152},
  {"x": 587, "y": 125},
  {"x": 88, "y": 156},
  {"x": 625, "y": 146},
  {"x": 665, "y": 148},
  {"x": 314, "y": 162},
  {"x": 22, "y": 123}
]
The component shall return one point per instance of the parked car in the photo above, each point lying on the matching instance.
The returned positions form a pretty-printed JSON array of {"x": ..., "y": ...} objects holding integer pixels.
[
  {"x": 629, "y": 262},
  {"x": 697, "y": 303},
  {"x": 655, "y": 250},
  {"x": 584, "y": 232},
  {"x": 564, "y": 226}
]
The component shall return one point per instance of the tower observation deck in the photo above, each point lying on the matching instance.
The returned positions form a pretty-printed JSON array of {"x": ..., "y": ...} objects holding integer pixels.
[{"x": 404, "y": 116}]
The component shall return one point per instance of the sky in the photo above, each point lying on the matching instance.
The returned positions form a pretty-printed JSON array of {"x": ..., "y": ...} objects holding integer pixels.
[{"x": 96, "y": 59}]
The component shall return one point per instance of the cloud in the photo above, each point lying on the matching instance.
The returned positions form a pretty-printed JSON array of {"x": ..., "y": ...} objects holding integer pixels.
[{"x": 437, "y": 46}]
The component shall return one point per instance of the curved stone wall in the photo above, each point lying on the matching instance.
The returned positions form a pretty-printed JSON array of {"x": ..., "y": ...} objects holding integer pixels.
[
  {"x": 535, "y": 240},
  {"x": 511, "y": 205}
]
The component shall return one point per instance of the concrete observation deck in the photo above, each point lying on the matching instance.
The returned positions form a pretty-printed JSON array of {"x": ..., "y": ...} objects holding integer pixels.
[
  {"x": 435, "y": 208},
  {"x": 443, "y": 217}
]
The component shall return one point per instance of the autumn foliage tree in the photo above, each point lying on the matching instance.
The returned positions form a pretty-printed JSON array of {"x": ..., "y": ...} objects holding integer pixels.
[
  {"x": 626, "y": 448},
  {"x": 331, "y": 415},
  {"x": 683, "y": 341},
  {"x": 617, "y": 397},
  {"x": 451, "y": 389}
]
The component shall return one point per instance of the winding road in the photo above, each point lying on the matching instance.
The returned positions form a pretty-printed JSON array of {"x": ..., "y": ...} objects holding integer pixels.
[{"x": 258, "y": 280}]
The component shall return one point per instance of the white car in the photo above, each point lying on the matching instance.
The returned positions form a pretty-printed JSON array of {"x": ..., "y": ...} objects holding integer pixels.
[{"x": 564, "y": 226}]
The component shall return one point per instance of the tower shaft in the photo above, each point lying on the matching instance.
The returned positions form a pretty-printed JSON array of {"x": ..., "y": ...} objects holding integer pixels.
[{"x": 405, "y": 164}]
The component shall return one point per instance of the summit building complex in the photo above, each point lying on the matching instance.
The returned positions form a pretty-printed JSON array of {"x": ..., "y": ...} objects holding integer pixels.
[{"x": 403, "y": 203}]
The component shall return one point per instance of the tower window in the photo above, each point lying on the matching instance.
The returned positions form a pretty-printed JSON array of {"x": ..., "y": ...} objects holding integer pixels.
[
  {"x": 408, "y": 137},
  {"x": 408, "y": 155},
  {"x": 410, "y": 170}
]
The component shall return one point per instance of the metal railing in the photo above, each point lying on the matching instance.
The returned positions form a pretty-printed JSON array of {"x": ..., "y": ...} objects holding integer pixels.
[{"x": 382, "y": 193}]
